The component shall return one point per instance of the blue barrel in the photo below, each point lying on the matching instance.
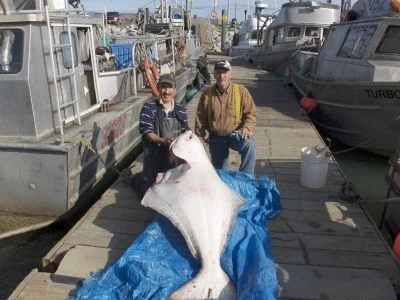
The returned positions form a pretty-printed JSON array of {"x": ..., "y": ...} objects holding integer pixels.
[{"x": 123, "y": 54}]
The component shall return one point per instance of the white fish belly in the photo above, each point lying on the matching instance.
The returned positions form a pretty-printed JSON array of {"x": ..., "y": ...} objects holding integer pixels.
[{"x": 204, "y": 209}]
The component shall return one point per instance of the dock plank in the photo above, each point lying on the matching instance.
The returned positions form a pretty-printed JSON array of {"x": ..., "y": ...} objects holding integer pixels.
[
  {"x": 95, "y": 260},
  {"x": 328, "y": 228},
  {"x": 102, "y": 239},
  {"x": 323, "y": 242},
  {"x": 332, "y": 283},
  {"x": 46, "y": 286}
]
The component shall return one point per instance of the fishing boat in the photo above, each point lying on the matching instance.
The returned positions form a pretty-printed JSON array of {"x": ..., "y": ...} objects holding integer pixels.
[
  {"x": 55, "y": 75},
  {"x": 250, "y": 32},
  {"x": 354, "y": 78},
  {"x": 298, "y": 25}
]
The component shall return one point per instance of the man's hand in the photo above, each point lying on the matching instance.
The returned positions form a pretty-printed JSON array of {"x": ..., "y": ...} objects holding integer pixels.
[
  {"x": 203, "y": 140},
  {"x": 166, "y": 142},
  {"x": 246, "y": 134}
]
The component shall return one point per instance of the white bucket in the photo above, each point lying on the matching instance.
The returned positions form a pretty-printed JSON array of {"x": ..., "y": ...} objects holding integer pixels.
[{"x": 314, "y": 167}]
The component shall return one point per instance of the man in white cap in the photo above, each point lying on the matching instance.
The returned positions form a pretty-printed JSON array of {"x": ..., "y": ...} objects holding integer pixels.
[{"x": 227, "y": 112}]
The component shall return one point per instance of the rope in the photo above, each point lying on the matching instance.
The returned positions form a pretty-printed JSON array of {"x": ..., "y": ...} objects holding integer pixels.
[
  {"x": 348, "y": 192},
  {"x": 125, "y": 173}
]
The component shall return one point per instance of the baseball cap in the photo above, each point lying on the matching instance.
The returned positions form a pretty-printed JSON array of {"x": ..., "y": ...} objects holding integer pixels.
[
  {"x": 223, "y": 64},
  {"x": 167, "y": 78}
]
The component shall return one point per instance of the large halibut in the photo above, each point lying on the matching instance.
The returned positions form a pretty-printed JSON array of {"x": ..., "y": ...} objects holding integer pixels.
[{"x": 204, "y": 209}]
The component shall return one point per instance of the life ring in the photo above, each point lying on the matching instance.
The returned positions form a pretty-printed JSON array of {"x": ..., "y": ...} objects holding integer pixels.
[{"x": 151, "y": 76}]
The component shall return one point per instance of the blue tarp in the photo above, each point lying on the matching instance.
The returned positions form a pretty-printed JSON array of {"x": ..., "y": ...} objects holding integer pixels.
[{"x": 159, "y": 262}]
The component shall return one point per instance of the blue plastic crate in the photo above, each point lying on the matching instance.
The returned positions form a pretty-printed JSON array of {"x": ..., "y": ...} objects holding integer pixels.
[{"x": 123, "y": 53}]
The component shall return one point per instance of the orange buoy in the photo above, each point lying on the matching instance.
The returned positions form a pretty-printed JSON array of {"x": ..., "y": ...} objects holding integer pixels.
[
  {"x": 308, "y": 103},
  {"x": 151, "y": 77},
  {"x": 396, "y": 246}
]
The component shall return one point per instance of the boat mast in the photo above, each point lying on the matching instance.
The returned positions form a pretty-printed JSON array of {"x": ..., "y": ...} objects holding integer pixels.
[
  {"x": 344, "y": 9},
  {"x": 188, "y": 9}
]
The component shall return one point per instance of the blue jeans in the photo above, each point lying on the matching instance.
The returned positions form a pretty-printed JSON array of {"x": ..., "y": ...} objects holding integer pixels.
[{"x": 219, "y": 150}]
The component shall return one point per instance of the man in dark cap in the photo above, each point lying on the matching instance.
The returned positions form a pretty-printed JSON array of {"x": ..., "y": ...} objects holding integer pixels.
[
  {"x": 161, "y": 120},
  {"x": 226, "y": 111}
]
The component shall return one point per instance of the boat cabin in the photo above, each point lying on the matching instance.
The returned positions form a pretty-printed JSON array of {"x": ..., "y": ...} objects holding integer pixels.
[
  {"x": 365, "y": 49},
  {"x": 50, "y": 69},
  {"x": 300, "y": 23}
]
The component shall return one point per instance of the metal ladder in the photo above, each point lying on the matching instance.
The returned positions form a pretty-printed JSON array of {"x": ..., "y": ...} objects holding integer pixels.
[{"x": 64, "y": 16}]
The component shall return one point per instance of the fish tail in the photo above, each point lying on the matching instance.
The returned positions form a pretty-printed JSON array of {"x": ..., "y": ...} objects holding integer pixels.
[{"x": 207, "y": 285}]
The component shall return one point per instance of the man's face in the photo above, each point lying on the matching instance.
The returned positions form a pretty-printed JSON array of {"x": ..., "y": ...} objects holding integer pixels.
[
  {"x": 167, "y": 92},
  {"x": 223, "y": 78}
]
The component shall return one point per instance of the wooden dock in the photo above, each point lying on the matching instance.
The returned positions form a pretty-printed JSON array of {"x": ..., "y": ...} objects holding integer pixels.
[{"x": 324, "y": 247}]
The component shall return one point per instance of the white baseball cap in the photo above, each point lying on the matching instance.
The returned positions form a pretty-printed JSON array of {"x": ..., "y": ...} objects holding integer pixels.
[{"x": 223, "y": 64}]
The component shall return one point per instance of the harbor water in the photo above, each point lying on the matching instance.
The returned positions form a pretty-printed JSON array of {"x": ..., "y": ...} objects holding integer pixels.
[
  {"x": 367, "y": 172},
  {"x": 22, "y": 253}
]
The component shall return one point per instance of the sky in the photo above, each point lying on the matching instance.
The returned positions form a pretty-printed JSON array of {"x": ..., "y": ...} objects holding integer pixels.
[{"x": 200, "y": 7}]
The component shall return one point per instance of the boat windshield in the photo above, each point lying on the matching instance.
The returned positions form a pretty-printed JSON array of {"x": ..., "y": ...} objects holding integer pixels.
[
  {"x": 11, "y": 50},
  {"x": 357, "y": 41},
  {"x": 312, "y": 31},
  {"x": 390, "y": 43}
]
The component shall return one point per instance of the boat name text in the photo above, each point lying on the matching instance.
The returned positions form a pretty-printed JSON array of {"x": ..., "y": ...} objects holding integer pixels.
[
  {"x": 112, "y": 131},
  {"x": 379, "y": 94}
]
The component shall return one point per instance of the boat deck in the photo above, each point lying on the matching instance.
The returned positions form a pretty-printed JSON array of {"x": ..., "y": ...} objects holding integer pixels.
[{"x": 324, "y": 247}]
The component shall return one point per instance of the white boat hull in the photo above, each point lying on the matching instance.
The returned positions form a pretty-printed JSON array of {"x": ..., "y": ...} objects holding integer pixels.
[{"x": 362, "y": 114}]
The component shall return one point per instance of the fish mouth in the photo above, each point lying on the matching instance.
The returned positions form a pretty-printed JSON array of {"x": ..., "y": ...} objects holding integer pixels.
[
  {"x": 174, "y": 160},
  {"x": 186, "y": 140}
]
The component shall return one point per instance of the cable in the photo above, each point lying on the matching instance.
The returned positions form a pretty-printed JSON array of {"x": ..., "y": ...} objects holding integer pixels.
[{"x": 88, "y": 144}]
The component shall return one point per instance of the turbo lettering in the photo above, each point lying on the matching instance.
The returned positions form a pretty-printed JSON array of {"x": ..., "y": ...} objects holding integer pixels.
[{"x": 382, "y": 94}]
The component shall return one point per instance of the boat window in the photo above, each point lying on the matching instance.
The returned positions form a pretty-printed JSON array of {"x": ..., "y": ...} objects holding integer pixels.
[
  {"x": 325, "y": 31},
  {"x": 66, "y": 53},
  {"x": 294, "y": 31},
  {"x": 11, "y": 50},
  {"x": 311, "y": 31},
  {"x": 357, "y": 41},
  {"x": 278, "y": 34},
  {"x": 254, "y": 35},
  {"x": 391, "y": 41}
]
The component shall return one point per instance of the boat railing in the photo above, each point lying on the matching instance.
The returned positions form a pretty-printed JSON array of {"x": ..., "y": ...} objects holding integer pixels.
[
  {"x": 171, "y": 57},
  {"x": 55, "y": 7}
]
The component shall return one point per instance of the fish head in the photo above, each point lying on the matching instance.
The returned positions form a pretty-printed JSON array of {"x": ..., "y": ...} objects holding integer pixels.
[
  {"x": 188, "y": 147},
  {"x": 172, "y": 175}
]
